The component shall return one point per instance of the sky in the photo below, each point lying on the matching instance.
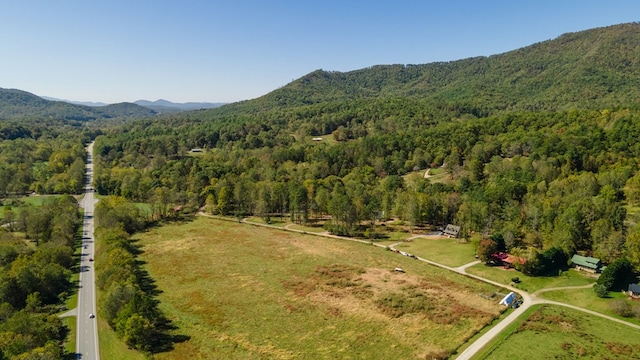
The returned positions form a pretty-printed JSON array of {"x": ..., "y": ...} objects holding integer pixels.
[{"x": 231, "y": 50}]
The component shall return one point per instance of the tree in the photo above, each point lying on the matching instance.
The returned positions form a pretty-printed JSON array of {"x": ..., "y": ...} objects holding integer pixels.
[
  {"x": 617, "y": 275},
  {"x": 486, "y": 248}
]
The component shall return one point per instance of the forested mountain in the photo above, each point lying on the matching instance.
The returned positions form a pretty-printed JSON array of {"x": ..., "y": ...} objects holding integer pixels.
[
  {"x": 539, "y": 146},
  {"x": 18, "y": 104},
  {"x": 588, "y": 69}
]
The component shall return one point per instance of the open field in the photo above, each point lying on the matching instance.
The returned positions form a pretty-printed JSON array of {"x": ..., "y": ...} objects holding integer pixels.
[
  {"x": 587, "y": 298},
  {"x": 531, "y": 283},
  {"x": 450, "y": 252},
  {"x": 245, "y": 292},
  {"x": 563, "y": 333}
]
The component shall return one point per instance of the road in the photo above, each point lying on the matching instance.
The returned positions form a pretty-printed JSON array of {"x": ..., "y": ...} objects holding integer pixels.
[{"x": 87, "y": 328}]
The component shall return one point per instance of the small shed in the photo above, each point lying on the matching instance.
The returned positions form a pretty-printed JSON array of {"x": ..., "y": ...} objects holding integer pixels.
[
  {"x": 451, "y": 231},
  {"x": 586, "y": 263},
  {"x": 508, "y": 300},
  {"x": 634, "y": 291}
]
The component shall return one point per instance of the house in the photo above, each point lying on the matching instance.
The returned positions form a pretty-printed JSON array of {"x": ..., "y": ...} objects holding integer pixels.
[
  {"x": 634, "y": 291},
  {"x": 451, "y": 231},
  {"x": 586, "y": 263},
  {"x": 507, "y": 260},
  {"x": 317, "y": 139},
  {"x": 196, "y": 150}
]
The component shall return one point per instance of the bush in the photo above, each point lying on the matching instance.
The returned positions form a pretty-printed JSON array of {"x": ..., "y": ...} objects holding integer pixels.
[
  {"x": 601, "y": 290},
  {"x": 622, "y": 308}
]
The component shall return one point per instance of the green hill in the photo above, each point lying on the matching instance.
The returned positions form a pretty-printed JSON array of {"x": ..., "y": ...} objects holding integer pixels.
[
  {"x": 18, "y": 104},
  {"x": 589, "y": 69}
]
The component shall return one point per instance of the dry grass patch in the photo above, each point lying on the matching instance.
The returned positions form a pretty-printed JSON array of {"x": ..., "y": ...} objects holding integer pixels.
[{"x": 244, "y": 292}]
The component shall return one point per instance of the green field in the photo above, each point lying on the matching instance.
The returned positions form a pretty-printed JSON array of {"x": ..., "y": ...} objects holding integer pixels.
[
  {"x": 245, "y": 292},
  {"x": 531, "y": 283},
  {"x": 587, "y": 298},
  {"x": 554, "y": 332},
  {"x": 449, "y": 252}
]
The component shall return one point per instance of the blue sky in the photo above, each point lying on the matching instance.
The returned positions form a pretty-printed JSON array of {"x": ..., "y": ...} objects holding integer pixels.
[{"x": 230, "y": 50}]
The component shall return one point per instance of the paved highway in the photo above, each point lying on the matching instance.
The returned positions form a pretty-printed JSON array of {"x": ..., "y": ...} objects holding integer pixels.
[{"x": 87, "y": 328}]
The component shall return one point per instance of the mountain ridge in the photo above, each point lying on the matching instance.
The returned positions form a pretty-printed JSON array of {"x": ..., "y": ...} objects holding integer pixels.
[
  {"x": 601, "y": 65},
  {"x": 20, "y": 104}
]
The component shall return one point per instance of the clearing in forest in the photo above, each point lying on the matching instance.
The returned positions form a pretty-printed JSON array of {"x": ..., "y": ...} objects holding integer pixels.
[{"x": 248, "y": 292}]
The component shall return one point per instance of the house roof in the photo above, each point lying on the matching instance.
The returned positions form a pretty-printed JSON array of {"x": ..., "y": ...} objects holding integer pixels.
[
  {"x": 452, "y": 229},
  {"x": 586, "y": 261},
  {"x": 634, "y": 288}
]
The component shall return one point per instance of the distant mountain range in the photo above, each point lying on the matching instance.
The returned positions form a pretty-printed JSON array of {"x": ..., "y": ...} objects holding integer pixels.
[
  {"x": 168, "y": 106},
  {"x": 18, "y": 104},
  {"x": 160, "y": 106}
]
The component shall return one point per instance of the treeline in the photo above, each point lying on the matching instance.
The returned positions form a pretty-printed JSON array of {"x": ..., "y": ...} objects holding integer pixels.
[
  {"x": 128, "y": 296},
  {"x": 537, "y": 179},
  {"x": 36, "y": 280},
  {"x": 50, "y": 161}
]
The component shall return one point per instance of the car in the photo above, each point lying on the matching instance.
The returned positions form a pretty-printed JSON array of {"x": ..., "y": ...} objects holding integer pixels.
[
  {"x": 90, "y": 259},
  {"x": 91, "y": 316}
]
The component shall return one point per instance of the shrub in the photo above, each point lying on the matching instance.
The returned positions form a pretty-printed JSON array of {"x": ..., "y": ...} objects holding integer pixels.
[
  {"x": 622, "y": 308},
  {"x": 601, "y": 290}
]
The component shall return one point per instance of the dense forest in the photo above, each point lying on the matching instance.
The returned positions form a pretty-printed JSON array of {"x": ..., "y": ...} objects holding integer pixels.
[{"x": 538, "y": 148}]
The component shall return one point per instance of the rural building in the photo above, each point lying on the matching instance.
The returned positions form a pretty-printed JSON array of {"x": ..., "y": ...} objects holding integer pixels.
[
  {"x": 317, "y": 139},
  {"x": 508, "y": 300},
  {"x": 507, "y": 260},
  {"x": 196, "y": 150},
  {"x": 451, "y": 231},
  {"x": 634, "y": 291},
  {"x": 586, "y": 263}
]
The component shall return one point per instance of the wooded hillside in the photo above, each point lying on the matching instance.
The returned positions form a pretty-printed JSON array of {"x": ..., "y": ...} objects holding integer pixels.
[{"x": 539, "y": 146}]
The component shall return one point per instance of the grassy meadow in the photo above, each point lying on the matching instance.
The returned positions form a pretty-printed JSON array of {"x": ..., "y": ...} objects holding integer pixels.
[
  {"x": 247, "y": 292},
  {"x": 443, "y": 250},
  {"x": 587, "y": 298},
  {"x": 532, "y": 284},
  {"x": 563, "y": 333}
]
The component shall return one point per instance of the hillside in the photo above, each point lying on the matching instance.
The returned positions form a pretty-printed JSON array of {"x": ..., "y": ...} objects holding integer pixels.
[
  {"x": 589, "y": 69},
  {"x": 18, "y": 104}
]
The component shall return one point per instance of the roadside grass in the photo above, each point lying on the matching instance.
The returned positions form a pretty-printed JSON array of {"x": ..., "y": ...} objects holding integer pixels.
[
  {"x": 111, "y": 347},
  {"x": 531, "y": 283},
  {"x": 445, "y": 251},
  {"x": 556, "y": 332},
  {"x": 384, "y": 235},
  {"x": 70, "y": 341},
  {"x": 246, "y": 292},
  {"x": 502, "y": 336},
  {"x": 274, "y": 221},
  {"x": 587, "y": 298}
]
